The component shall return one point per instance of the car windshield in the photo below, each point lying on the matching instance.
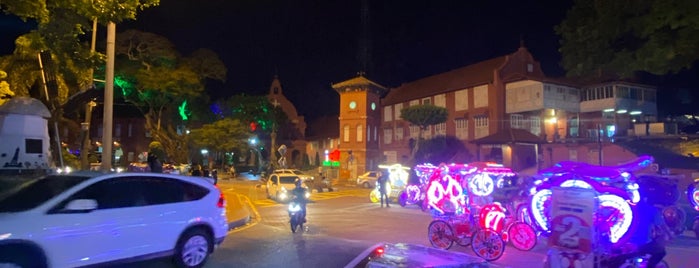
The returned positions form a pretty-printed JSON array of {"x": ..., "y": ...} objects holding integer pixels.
[
  {"x": 287, "y": 179},
  {"x": 37, "y": 192}
]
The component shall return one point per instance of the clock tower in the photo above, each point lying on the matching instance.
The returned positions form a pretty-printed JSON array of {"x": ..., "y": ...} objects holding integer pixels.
[{"x": 360, "y": 119}]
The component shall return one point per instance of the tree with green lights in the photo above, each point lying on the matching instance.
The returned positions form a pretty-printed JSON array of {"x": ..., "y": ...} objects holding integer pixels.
[
  {"x": 225, "y": 135},
  {"x": 62, "y": 26},
  {"x": 423, "y": 116},
  {"x": 623, "y": 37},
  {"x": 157, "y": 80},
  {"x": 270, "y": 122}
]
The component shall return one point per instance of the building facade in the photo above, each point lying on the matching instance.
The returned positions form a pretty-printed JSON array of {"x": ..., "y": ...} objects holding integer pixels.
[
  {"x": 360, "y": 123},
  {"x": 492, "y": 97}
]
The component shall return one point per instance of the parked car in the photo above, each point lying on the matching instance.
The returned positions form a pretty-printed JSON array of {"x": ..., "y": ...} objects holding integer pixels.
[
  {"x": 368, "y": 179},
  {"x": 279, "y": 186},
  {"x": 318, "y": 184},
  {"x": 91, "y": 219}
]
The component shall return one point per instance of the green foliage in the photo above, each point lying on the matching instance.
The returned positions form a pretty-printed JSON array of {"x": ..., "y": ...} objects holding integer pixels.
[
  {"x": 256, "y": 109},
  {"x": 104, "y": 10},
  {"x": 423, "y": 116},
  {"x": 70, "y": 160},
  {"x": 224, "y": 135},
  {"x": 5, "y": 91},
  {"x": 623, "y": 37}
]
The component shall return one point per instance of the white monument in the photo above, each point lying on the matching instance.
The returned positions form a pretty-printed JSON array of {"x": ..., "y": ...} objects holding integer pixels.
[{"x": 24, "y": 135}]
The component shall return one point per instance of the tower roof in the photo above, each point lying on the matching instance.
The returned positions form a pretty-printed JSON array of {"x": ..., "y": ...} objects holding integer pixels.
[{"x": 359, "y": 83}]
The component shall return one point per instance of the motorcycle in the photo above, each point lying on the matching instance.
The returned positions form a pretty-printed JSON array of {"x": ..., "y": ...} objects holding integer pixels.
[{"x": 295, "y": 216}]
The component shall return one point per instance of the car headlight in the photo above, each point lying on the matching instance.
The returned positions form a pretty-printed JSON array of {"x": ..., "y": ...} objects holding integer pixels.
[
  {"x": 283, "y": 189},
  {"x": 308, "y": 195}
]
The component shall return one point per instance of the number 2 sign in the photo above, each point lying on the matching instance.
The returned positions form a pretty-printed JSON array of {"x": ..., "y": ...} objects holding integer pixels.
[{"x": 572, "y": 211}]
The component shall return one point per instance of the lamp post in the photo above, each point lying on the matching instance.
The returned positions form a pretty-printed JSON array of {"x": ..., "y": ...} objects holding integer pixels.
[{"x": 84, "y": 152}]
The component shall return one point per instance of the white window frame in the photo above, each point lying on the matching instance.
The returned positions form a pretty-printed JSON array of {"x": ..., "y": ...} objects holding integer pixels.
[
  {"x": 481, "y": 123},
  {"x": 426, "y": 101},
  {"x": 461, "y": 128},
  {"x": 414, "y": 130},
  {"x": 440, "y": 129},
  {"x": 387, "y": 136},
  {"x": 517, "y": 121},
  {"x": 535, "y": 125},
  {"x": 399, "y": 133},
  {"x": 387, "y": 114},
  {"x": 397, "y": 110}
]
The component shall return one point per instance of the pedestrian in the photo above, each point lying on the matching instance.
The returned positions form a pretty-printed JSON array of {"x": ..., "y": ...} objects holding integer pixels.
[
  {"x": 155, "y": 165},
  {"x": 383, "y": 188},
  {"x": 196, "y": 171}
]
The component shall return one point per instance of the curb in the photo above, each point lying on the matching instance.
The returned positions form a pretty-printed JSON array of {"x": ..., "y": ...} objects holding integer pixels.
[{"x": 250, "y": 220}]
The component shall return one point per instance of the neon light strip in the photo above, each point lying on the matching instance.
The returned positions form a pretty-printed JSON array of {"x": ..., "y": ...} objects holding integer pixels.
[
  {"x": 617, "y": 229},
  {"x": 537, "y": 205}
]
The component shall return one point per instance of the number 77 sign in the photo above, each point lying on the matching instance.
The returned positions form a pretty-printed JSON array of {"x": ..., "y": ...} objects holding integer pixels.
[{"x": 572, "y": 212}]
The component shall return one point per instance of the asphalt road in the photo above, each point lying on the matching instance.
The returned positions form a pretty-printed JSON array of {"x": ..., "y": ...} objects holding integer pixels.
[{"x": 344, "y": 223}]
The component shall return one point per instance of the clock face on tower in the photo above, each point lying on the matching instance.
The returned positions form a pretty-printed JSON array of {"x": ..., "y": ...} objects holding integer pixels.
[
  {"x": 373, "y": 106},
  {"x": 353, "y": 104}
]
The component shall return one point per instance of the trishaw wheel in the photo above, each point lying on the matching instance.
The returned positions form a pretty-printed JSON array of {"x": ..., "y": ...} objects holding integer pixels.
[
  {"x": 522, "y": 236},
  {"x": 440, "y": 234},
  {"x": 374, "y": 196},
  {"x": 487, "y": 244}
]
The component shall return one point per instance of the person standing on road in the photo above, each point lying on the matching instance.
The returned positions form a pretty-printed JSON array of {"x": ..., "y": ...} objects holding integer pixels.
[
  {"x": 155, "y": 165},
  {"x": 196, "y": 171},
  {"x": 383, "y": 188}
]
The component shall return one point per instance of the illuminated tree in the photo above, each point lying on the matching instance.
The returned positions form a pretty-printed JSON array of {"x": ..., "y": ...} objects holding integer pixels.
[
  {"x": 623, "y": 37},
  {"x": 225, "y": 135},
  {"x": 423, "y": 116},
  {"x": 267, "y": 118},
  {"x": 157, "y": 80},
  {"x": 5, "y": 92}
]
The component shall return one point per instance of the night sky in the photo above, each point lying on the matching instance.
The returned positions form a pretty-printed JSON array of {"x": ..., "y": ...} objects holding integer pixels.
[{"x": 311, "y": 44}]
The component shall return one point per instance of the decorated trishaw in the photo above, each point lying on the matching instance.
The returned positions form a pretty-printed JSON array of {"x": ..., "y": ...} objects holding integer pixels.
[
  {"x": 693, "y": 197},
  {"x": 587, "y": 211},
  {"x": 414, "y": 192},
  {"x": 397, "y": 182},
  {"x": 460, "y": 198}
]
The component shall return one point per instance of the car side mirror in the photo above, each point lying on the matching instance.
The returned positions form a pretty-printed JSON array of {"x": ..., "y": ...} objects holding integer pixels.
[{"x": 81, "y": 205}]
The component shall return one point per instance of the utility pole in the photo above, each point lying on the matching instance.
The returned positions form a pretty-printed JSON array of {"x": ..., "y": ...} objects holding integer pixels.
[
  {"x": 108, "y": 99},
  {"x": 85, "y": 150},
  {"x": 599, "y": 143}
]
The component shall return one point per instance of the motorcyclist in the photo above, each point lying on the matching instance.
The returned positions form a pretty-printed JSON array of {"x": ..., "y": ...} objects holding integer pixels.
[
  {"x": 299, "y": 196},
  {"x": 651, "y": 233}
]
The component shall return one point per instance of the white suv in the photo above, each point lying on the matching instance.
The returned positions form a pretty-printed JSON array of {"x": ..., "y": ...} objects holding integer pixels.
[
  {"x": 83, "y": 219},
  {"x": 280, "y": 184}
]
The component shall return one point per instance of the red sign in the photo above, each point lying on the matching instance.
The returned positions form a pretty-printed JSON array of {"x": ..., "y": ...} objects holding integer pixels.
[{"x": 334, "y": 155}]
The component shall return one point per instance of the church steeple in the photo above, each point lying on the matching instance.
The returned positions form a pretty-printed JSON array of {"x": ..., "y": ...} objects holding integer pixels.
[{"x": 276, "y": 87}]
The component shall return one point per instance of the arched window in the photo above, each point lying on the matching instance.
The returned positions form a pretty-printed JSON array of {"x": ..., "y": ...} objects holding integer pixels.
[
  {"x": 360, "y": 133},
  {"x": 346, "y": 133}
]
